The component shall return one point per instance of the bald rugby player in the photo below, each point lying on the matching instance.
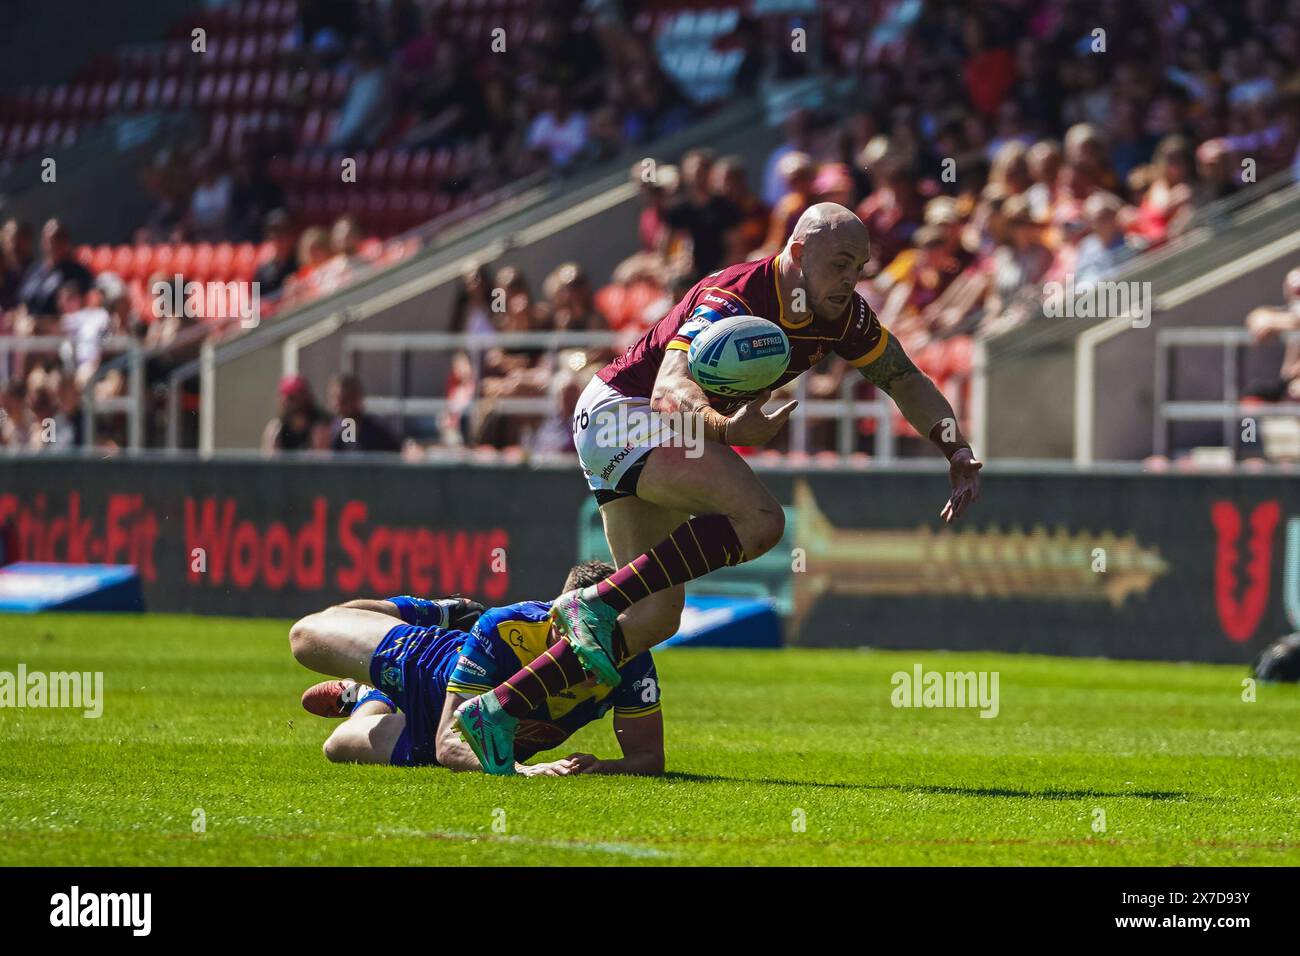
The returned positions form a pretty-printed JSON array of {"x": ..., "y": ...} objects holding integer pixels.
[{"x": 675, "y": 511}]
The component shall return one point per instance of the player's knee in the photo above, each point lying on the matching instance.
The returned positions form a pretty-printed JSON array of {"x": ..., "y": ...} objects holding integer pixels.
[
  {"x": 307, "y": 639},
  {"x": 763, "y": 530},
  {"x": 301, "y": 638},
  {"x": 336, "y": 748}
]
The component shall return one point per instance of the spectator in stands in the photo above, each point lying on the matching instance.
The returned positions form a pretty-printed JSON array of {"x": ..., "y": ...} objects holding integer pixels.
[
  {"x": 654, "y": 107},
  {"x": 272, "y": 274},
  {"x": 1044, "y": 161},
  {"x": 658, "y": 183},
  {"x": 1105, "y": 247},
  {"x": 989, "y": 71},
  {"x": 313, "y": 253},
  {"x": 1167, "y": 203},
  {"x": 731, "y": 183},
  {"x": 300, "y": 424},
  {"x": 15, "y": 420},
  {"x": 701, "y": 216},
  {"x": 86, "y": 324},
  {"x": 17, "y": 253},
  {"x": 208, "y": 215},
  {"x": 569, "y": 306},
  {"x": 799, "y": 173},
  {"x": 367, "y": 107},
  {"x": 253, "y": 195},
  {"x": 169, "y": 179},
  {"x": 892, "y": 212},
  {"x": 352, "y": 429},
  {"x": 68, "y": 425},
  {"x": 39, "y": 290},
  {"x": 42, "y": 404},
  {"x": 1019, "y": 264},
  {"x": 168, "y": 326},
  {"x": 344, "y": 246},
  {"x": 558, "y": 134},
  {"x": 1217, "y": 176},
  {"x": 1266, "y": 322},
  {"x": 798, "y": 139},
  {"x": 472, "y": 310}
]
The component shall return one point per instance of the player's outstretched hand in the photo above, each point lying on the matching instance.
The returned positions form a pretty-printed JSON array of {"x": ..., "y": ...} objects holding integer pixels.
[
  {"x": 964, "y": 474},
  {"x": 583, "y": 763},
  {"x": 752, "y": 426},
  {"x": 558, "y": 768}
]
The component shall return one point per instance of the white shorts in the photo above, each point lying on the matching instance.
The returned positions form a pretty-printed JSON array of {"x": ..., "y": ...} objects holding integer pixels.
[{"x": 612, "y": 432}]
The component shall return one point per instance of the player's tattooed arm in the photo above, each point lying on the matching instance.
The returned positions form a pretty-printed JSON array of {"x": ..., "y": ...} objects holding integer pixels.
[
  {"x": 926, "y": 409},
  {"x": 917, "y": 397},
  {"x": 675, "y": 392},
  {"x": 892, "y": 366}
]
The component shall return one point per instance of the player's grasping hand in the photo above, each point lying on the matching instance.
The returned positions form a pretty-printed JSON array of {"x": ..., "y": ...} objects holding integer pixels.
[
  {"x": 964, "y": 474},
  {"x": 753, "y": 426}
]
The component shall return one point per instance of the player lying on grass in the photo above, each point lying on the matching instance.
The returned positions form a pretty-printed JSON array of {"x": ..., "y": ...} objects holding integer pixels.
[
  {"x": 398, "y": 684},
  {"x": 648, "y": 486}
]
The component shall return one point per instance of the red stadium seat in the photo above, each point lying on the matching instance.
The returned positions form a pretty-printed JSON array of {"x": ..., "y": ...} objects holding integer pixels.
[
  {"x": 161, "y": 260},
  {"x": 244, "y": 265},
  {"x": 182, "y": 259},
  {"x": 102, "y": 260},
  {"x": 123, "y": 257},
  {"x": 201, "y": 268}
]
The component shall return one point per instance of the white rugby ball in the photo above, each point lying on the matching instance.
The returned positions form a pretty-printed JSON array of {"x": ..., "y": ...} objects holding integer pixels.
[{"x": 738, "y": 356}]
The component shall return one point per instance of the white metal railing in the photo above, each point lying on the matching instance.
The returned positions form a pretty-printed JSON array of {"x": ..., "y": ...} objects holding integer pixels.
[
  {"x": 1229, "y": 409},
  {"x": 15, "y": 348},
  {"x": 844, "y": 410}
]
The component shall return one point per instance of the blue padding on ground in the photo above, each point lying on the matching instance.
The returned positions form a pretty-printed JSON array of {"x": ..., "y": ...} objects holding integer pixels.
[
  {"x": 727, "y": 622},
  {"x": 30, "y": 586}
]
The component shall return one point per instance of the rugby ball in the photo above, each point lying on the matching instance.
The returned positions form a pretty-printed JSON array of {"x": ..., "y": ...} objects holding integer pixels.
[{"x": 738, "y": 356}]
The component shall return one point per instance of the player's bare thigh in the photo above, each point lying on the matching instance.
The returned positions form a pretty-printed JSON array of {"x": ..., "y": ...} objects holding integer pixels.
[
  {"x": 365, "y": 738},
  {"x": 633, "y": 527},
  {"x": 339, "y": 641},
  {"x": 713, "y": 479}
]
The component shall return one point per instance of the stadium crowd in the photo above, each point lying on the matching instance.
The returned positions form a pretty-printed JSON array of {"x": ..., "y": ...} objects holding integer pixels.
[
  {"x": 1053, "y": 152},
  {"x": 1056, "y": 149}
]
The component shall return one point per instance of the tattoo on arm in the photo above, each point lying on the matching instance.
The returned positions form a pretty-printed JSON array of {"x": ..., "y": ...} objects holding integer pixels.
[{"x": 892, "y": 365}]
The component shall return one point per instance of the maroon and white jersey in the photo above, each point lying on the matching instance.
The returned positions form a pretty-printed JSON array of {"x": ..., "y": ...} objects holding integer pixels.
[{"x": 750, "y": 288}]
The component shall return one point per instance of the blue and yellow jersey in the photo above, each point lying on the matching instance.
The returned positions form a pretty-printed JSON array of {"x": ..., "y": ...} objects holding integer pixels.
[{"x": 507, "y": 638}]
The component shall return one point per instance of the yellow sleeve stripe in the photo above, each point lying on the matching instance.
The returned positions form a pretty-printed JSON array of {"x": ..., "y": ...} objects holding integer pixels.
[
  {"x": 677, "y": 344},
  {"x": 638, "y": 711},
  {"x": 456, "y": 687},
  {"x": 875, "y": 352}
]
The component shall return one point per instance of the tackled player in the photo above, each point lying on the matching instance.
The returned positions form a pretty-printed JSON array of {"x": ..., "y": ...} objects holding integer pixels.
[{"x": 399, "y": 681}]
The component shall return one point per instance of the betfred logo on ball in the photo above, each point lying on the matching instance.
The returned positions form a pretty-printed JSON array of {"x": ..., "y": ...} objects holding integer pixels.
[{"x": 738, "y": 356}]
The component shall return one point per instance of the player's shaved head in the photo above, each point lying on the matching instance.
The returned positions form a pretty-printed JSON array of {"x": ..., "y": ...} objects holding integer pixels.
[
  {"x": 827, "y": 226},
  {"x": 828, "y": 247}
]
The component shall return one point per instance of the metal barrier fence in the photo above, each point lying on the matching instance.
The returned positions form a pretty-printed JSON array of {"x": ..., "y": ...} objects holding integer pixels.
[
  {"x": 844, "y": 410},
  {"x": 1229, "y": 409},
  {"x": 15, "y": 348}
]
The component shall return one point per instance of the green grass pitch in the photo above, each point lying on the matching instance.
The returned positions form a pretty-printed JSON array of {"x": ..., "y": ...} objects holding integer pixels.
[{"x": 202, "y": 715}]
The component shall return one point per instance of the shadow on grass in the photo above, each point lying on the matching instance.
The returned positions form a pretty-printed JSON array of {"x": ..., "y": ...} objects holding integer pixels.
[{"x": 1054, "y": 794}]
